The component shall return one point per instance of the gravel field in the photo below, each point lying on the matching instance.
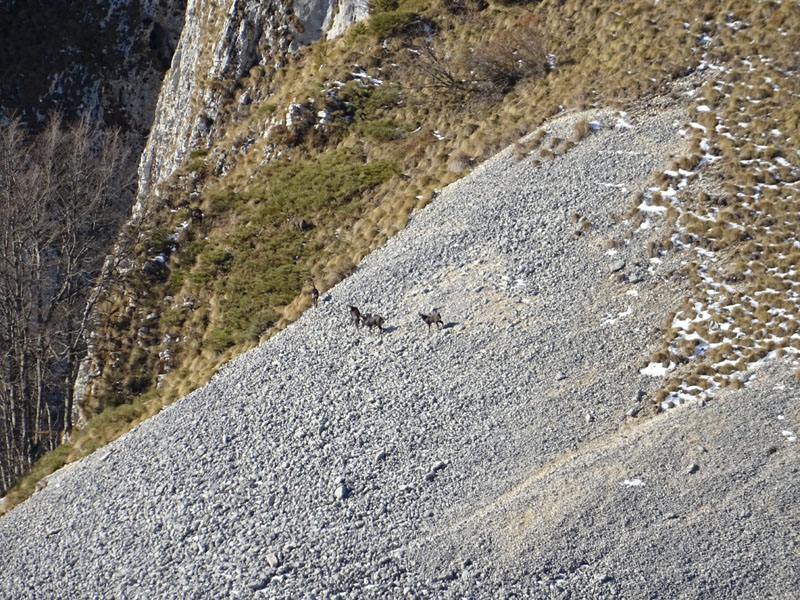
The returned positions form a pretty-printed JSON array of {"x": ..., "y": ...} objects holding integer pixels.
[{"x": 506, "y": 455}]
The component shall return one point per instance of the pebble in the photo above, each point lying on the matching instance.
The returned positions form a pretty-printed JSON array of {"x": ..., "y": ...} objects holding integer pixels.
[
  {"x": 341, "y": 492},
  {"x": 273, "y": 560},
  {"x": 617, "y": 265}
]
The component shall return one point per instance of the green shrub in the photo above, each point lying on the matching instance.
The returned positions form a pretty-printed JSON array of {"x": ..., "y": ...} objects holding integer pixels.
[
  {"x": 222, "y": 199},
  {"x": 355, "y": 33},
  {"x": 173, "y": 318},
  {"x": 363, "y": 102},
  {"x": 159, "y": 242},
  {"x": 267, "y": 108},
  {"x": 196, "y": 165},
  {"x": 216, "y": 256},
  {"x": 379, "y": 6},
  {"x": 327, "y": 181},
  {"x": 217, "y": 340},
  {"x": 382, "y": 130},
  {"x": 384, "y": 96}
]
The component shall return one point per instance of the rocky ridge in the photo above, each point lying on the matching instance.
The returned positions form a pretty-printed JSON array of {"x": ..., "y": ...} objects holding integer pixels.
[
  {"x": 219, "y": 46},
  {"x": 506, "y": 455}
]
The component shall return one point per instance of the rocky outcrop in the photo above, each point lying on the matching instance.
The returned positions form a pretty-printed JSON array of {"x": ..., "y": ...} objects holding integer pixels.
[
  {"x": 220, "y": 44},
  {"x": 104, "y": 58},
  {"x": 349, "y": 12}
]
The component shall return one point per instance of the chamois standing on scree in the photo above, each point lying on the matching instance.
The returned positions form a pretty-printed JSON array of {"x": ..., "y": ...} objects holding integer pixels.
[
  {"x": 314, "y": 293},
  {"x": 432, "y": 319},
  {"x": 355, "y": 316},
  {"x": 371, "y": 322}
]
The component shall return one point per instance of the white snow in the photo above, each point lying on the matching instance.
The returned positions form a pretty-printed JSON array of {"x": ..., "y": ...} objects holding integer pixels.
[
  {"x": 621, "y": 122},
  {"x": 656, "y": 369},
  {"x": 632, "y": 482}
]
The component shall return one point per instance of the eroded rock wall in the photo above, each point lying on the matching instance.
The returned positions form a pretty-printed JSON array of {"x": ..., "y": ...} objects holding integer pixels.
[
  {"x": 221, "y": 42},
  {"x": 104, "y": 58}
]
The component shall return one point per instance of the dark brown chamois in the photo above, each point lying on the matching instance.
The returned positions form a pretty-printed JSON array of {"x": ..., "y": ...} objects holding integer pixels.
[
  {"x": 373, "y": 322},
  {"x": 432, "y": 319},
  {"x": 355, "y": 316},
  {"x": 314, "y": 293}
]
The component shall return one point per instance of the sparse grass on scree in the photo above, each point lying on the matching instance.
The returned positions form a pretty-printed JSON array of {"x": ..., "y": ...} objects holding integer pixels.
[
  {"x": 739, "y": 229},
  {"x": 406, "y": 117}
]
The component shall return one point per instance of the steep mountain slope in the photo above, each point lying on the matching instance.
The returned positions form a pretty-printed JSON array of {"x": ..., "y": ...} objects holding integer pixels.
[
  {"x": 661, "y": 270},
  {"x": 219, "y": 47},
  {"x": 104, "y": 60},
  {"x": 334, "y": 461}
]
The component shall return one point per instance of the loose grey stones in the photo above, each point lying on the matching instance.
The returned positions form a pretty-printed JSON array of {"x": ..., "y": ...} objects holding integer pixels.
[{"x": 273, "y": 560}]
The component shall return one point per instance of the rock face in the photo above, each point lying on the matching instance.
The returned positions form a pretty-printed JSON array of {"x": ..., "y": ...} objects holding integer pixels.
[
  {"x": 221, "y": 42},
  {"x": 104, "y": 58}
]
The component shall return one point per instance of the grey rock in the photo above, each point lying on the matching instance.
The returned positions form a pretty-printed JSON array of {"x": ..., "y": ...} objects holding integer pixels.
[
  {"x": 258, "y": 584},
  {"x": 341, "y": 492},
  {"x": 633, "y": 411},
  {"x": 636, "y": 277},
  {"x": 273, "y": 560},
  {"x": 617, "y": 265}
]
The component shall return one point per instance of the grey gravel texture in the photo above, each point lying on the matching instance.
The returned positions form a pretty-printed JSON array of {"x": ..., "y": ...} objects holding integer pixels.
[{"x": 509, "y": 454}]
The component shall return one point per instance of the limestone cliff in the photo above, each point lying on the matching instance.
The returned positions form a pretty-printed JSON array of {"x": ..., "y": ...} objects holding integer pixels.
[
  {"x": 104, "y": 58},
  {"x": 221, "y": 42}
]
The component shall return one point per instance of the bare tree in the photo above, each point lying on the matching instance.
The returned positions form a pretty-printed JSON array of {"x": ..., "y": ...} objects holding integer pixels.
[{"x": 59, "y": 211}]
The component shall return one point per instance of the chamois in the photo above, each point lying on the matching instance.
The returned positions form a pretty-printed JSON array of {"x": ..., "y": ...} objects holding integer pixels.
[
  {"x": 298, "y": 223},
  {"x": 432, "y": 319},
  {"x": 355, "y": 316},
  {"x": 373, "y": 322},
  {"x": 314, "y": 293}
]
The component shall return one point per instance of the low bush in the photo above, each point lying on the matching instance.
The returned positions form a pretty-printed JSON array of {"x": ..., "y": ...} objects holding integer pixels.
[{"x": 381, "y": 130}]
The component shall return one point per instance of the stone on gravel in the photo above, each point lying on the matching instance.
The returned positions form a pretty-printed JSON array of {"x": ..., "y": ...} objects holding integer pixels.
[
  {"x": 617, "y": 265},
  {"x": 273, "y": 560},
  {"x": 633, "y": 411},
  {"x": 342, "y": 491}
]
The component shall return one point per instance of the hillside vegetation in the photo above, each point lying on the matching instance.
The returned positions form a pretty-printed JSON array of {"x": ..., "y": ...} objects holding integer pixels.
[{"x": 356, "y": 133}]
